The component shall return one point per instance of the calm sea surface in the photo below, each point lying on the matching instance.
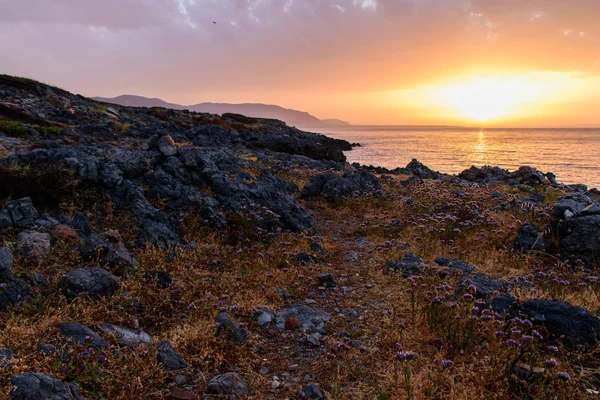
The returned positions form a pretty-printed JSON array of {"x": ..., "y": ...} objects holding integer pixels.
[{"x": 572, "y": 154}]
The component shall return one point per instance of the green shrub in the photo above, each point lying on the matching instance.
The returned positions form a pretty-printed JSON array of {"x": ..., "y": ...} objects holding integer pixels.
[{"x": 13, "y": 129}]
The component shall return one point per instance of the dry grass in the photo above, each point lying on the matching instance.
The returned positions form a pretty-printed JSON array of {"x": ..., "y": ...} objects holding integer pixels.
[{"x": 240, "y": 275}]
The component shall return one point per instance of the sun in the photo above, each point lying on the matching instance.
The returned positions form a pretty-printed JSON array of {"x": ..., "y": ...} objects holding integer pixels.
[{"x": 486, "y": 99}]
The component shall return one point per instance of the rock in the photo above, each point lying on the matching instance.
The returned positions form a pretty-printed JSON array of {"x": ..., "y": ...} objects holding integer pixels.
[
  {"x": 94, "y": 282},
  {"x": 484, "y": 286},
  {"x": 160, "y": 278},
  {"x": 5, "y": 356},
  {"x": 263, "y": 317},
  {"x": 230, "y": 384},
  {"x": 6, "y": 263},
  {"x": 13, "y": 291},
  {"x": 580, "y": 239},
  {"x": 503, "y": 303},
  {"x": 81, "y": 334},
  {"x": 305, "y": 259},
  {"x": 312, "y": 391},
  {"x": 310, "y": 320},
  {"x": 325, "y": 279},
  {"x": 570, "y": 204},
  {"x": 166, "y": 145},
  {"x": 34, "y": 245},
  {"x": 454, "y": 264},
  {"x": 81, "y": 224},
  {"x": 235, "y": 333},
  {"x": 416, "y": 168},
  {"x": 21, "y": 213},
  {"x": 169, "y": 358},
  {"x": 484, "y": 174},
  {"x": 334, "y": 188},
  {"x": 126, "y": 337},
  {"x": 284, "y": 293},
  {"x": 530, "y": 240},
  {"x": 529, "y": 176},
  {"x": 110, "y": 251},
  {"x": 409, "y": 265},
  {"x": 36, "y": 386},
  {"x": 572, "y": 325},
  {"x": 65, "y": 233}
]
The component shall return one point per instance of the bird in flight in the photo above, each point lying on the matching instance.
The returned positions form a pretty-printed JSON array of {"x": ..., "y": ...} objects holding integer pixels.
[{"x": 214, "y": 22}]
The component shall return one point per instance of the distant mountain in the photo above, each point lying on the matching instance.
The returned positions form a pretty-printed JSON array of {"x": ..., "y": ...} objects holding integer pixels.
[{"x": 290, "y": 117}]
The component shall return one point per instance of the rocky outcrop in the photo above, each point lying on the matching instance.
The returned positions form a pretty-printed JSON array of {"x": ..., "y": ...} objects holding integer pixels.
[{"x": 332, "y": 187}]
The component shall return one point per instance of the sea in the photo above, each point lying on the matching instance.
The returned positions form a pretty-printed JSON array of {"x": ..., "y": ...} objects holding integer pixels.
[{"x": 572, "y": 154}]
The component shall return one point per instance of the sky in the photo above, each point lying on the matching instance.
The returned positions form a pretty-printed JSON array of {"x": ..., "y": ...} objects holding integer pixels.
[{"x": 486, "y": 62}]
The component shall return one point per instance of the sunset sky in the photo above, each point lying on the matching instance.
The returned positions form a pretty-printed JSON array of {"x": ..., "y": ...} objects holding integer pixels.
[{"x": 487, "y": 62}]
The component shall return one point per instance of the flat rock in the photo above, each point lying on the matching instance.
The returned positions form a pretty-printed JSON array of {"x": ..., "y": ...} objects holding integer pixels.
[
  {"x": 81, "y": 334},
  {"x": 230, "y": 384},
  {"x": 454, "y": 264},
  {"x": 95, "y": 282},
  {"x": 126, "y": 337},
  {"x": 36, "y": 386},
  {"x": 312, "y": 391},
  {"x": 310, "y": 320},
  {"x": 484, "y": 287},
  {"x": 409, "y": 265}
]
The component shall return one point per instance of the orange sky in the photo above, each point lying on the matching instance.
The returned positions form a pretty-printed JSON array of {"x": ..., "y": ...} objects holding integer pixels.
[{"x": 478, "y": 62}]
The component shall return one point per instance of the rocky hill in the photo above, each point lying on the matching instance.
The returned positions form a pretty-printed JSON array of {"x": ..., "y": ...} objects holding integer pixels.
[
  {"x": 291, "y": 117},
  {"x": 159, "y": 253}
]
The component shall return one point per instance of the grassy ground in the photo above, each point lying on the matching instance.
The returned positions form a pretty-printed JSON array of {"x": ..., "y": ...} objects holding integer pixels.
[{"x": 377, "y": 317}]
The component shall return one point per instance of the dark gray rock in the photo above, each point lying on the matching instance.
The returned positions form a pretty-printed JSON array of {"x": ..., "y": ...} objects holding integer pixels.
[
  {"x": 484, "y": 286},
  {"x": 416, "y": 168},
  {"x": 81, "y": 334},
  {"x": 571, "y": 204},
  {"x": 454, "y": 264},
  {"x": 326, "y": 279},
  {"x": 36, "y": 386},
  {"x": 232, "y": 329},
  {"x": 572, "y": 325},
  {"x": 484, "y": 174},
  {"x": 166, "y": 145},
  {"x": 13, "y": 291},
  {"x": 229, "y": 384},
  {"x": 110, "y": 251},
  {"x": 530, "y": 240},
  {"x": 311, "y": 320},
  {"x": 6, "y": 262},
  {"x": 160, "y": 278},
  {"x": 34, "y": 245},
  {"x": 47, "y": 349},
  {"x": 503, "y": 303},
  {"x": 126, "y": 337},
  {"x": 312, "y": 391},
  {"x": 528, "y": 176},
  {"x": 580, "y": 239},
  {"x": 5, "y": 356},
  {"x": 21, "y": 213},
  {"x": 264, "y": 317},
  {"x": 94, "y": 282},
  {"x": 169, "y": 358},
  {"x": 409, "y": 265},
  {"x": 334, "y": 188}
]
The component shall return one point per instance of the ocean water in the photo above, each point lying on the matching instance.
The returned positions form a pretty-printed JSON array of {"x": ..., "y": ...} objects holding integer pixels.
[{"x": 572, "y": 154}]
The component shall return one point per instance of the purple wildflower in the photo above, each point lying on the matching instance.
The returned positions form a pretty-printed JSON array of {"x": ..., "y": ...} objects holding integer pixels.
[
  {"x": 564, "y": 376},
  {"x": 447, "y": 363},
  {"x": 553, "y": 349},
  {"x": 527, "y": 339},
  {"x": 551, "y": 363},
  {"x": 513, "y": 343}
]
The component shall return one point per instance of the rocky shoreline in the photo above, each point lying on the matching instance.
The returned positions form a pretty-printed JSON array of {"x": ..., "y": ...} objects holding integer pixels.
[{"x": 163, "y": 253}]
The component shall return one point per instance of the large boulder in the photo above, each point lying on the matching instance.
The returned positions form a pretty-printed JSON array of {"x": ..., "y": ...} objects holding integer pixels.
[
  {"x": 484, "y": 174},
  {"x": 36, "y": 386},
  {"x": 77, "y": 333},
  {"x": 94, "y": 282},
  {"x": 572, "y": 325},
  {"x": 230, "y": 385},
  {"x": 570, "y": 205},
  {"x": 580, "y": 239},
  {"x": 418, "y": 169}
]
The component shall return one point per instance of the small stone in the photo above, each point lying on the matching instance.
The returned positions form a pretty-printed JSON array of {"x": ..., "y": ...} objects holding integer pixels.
[
  {"x": 169, "y": 358},
  {"x": 292, "y": 323},
  {"x": 229, "y": 383},
  {"x": 235, "y": 333},
  {"x": 326, "y": 279},
  {"x": 312, "y": 391},
  {"x": 309, "y": 301},
  {"x": 47, "y": 349},
  {"x": 5, "y": 356},
  {"x": 126, "y": 337},
  {"x": 264, "y": 371},
  {"x": 180, "y": 379}
]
